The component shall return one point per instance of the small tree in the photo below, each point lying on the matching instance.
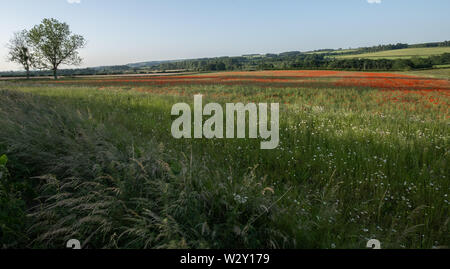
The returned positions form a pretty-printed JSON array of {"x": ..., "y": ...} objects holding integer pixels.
[
  {"x": 54, "y": 44},
  {"x": 20, "y": 52}
]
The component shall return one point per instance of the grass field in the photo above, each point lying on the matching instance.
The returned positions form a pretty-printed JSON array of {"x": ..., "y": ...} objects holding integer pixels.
[
  {"x": 440, "y": 73},
  {"x": 361, "y": 156},
  {"x": 401, "y": 53}
]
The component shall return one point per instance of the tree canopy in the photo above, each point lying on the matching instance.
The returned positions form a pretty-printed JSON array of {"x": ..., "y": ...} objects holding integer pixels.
[
  {"x": 20, "y": 52},
  {"x": 54, "y": 44}
]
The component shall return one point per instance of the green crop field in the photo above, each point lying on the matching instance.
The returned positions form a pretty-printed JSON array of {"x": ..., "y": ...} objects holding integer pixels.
[
  {"x": 94, "y": 159},
  {"x": 441, "y": 73},
  {"x": 401, "y": 53}
]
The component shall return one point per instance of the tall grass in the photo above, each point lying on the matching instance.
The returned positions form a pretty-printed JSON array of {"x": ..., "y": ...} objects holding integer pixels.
[{"x": 109, "y": 193}]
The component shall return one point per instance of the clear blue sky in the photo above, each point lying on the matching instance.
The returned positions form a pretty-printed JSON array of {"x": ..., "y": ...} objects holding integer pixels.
[{"x": 126, "y": 31}]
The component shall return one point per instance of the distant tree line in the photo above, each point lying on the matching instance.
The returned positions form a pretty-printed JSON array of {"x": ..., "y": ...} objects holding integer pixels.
[
  {"x": 303, "y": 61},
  {"x": 109, "y": 70},
  {"x": 431, "y": 45},
  {"x": 331, "y": 52},
  {"x": 319, "y": 59},
  {"x": 383, "y": 48},
  {"x": 291, "y": 60}
]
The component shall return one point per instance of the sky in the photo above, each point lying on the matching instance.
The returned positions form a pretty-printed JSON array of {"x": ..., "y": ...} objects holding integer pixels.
[{"x": 129, "y": 31}]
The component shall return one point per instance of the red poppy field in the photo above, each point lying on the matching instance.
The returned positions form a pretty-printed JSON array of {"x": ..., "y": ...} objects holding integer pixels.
[
  {"x": 385, "y": 81},
  {"x": 408, "y": 91}
]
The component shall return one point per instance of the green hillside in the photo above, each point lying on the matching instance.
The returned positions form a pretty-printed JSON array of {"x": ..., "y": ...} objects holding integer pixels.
[{"x": 400, "y": 53}]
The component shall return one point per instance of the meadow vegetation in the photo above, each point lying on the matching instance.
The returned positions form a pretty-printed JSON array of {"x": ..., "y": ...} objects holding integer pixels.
[
  {"x": 440, "y": 73},
  {"x": 95, "y": 160}
]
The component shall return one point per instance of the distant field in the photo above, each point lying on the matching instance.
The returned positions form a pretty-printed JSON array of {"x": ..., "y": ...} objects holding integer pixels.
[
  {"x": 443, "y": 73},
  {"x": 332, "y": 51},
  {"x": 400, "y": 54},
  {"x": 442, "y": 66}
]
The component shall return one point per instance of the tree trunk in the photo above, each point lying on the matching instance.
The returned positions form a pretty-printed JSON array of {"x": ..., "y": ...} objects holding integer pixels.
[
  {"x": 55, "y": 75},
  {"x": 28, "y": 73}
]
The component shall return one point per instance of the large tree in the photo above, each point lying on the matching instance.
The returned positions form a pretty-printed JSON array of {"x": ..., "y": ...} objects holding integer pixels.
[
  {"x": 20, "y": 51},
  {"x": 54, "y": 44}
]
